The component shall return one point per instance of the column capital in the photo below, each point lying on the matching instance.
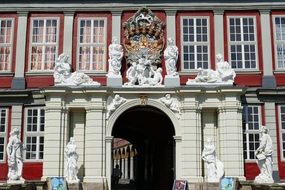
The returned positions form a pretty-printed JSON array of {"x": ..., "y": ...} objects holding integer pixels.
[
  {"x": 23, "y": 13},
  {"x": 264, "y": 11},
  {"x": 170, "y": 12},
  {"x": 116, "y": 12},
  {"x": 218, "y": 12},
  {"x": 109, "y": 139},
  {"x": 69, "y": 13}
]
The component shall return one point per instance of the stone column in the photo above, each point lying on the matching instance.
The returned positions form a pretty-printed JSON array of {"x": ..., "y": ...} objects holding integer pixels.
[
  {"x": 16, "y": 117},
  {"x": 191, "y": 144},
  {"x": 18, "y": 82},
  {"x": 123, "y": 167},
  {"x": 109, "y": 141},
  {"x": 219, "y": 31},
  {"x": 68, "y": 33},
  {"x": 131, "y": 168},
  {"x": 171, "y": 24},
  {"x": 270, "y": 119},
  {"x": 94, "y": 147},
  {"x": 56, "y": 124},
  {"x": 268, "y": 80},
  {"x": 178, "y": 152},
  {"x": 231, "y": 140},
  {"x": 126, "y": 168}
]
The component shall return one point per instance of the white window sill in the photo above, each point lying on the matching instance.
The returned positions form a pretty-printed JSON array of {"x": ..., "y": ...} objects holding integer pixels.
[
  {"x": 37, "y": 73},
  {"x": 279, "y": 71},
  {"x": 33, "y": 161},
  {"x": 247, "y": 72},
  {"x": 6, "y": 74}
]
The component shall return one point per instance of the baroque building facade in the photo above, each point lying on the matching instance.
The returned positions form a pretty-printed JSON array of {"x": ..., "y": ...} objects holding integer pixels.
[{"x": 168, "y": 143}]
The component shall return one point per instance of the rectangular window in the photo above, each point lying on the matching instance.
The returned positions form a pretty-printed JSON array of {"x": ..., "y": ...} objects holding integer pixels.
[
  {"x": 195, "y": 43},
  {"x": 251, "y": 122},
  {"x": 242, "y": 42},
  {"x": 6, "y": 43},
  {"x": 43, "y": 43},
  {"x": 3, "y": 131},
  {"x": 91, "y": 44},
  {"x": 279, "y": 41},
  {"x": 34, "y": 128},
  {"x": 282, "y": 129}
]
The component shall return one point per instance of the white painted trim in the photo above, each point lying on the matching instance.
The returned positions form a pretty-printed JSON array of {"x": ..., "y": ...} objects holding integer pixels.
[
  {"x": 5, "y": 133},
  {"x": 280, "y": 132}
]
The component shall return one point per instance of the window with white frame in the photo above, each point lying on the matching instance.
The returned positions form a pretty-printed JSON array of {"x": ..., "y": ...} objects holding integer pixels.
[
  {"x": 43, "y": 43},
  {"x": 91, "y": 44},
  {"x": 279, "y": 41},
  {"x": 3, "y": 131},
  {"x": 242, "y": 42},
  {"x": 282, "y": 129},
  {"x": 34, "y": 133},
  {"x": 6, "y": 44},
  {"x": 195, "y": 43},
  {"x": 251, "y": 122}
]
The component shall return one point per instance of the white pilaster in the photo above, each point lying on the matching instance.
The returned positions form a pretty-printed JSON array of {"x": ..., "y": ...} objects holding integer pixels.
[
  {"x": 191, "y": 161},
  {"x": 266, "y": 42},
  {"x": 171, "y": 24},
  {"x": 116, "y": 24},
  {"x": 231, "y": 140},
  {"x": 219, "y": 31},
  {"x": 108, "y": 141},
  {"x": 16, "y": 117},
  {"x": 123, "y": 168},
  {"x": 21, "y": 44},
  {"x": 178, "y": 152},
  {"x": 94, "y": 145},
  {"x": 56, "y": 124},
  {"x": 270, "y": 119},
  {"x": 68, "y": 35}
]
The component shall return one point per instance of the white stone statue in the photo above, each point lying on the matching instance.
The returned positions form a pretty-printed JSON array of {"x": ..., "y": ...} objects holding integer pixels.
[
  {"x": 264, "y": 157},
  {"x": 15, "y": 156},
  {"x": 223, "y": 74},
  {"x": 71, "y": 158},
  {"x": 144, "y": 73},
  {"x": 226, "y": 73},
  {"x": 64, "y": 77},
  {"x": 172, "y": 103},
  {"x": 171, "y": 56},
  {"x": 215, "y": 168},
  {"x": 115, "y": 57},
  {"x": 113, "y": 104}
]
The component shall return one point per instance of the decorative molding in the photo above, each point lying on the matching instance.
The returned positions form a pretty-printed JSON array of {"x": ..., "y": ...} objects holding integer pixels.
[{"x": 218, "y": 11}]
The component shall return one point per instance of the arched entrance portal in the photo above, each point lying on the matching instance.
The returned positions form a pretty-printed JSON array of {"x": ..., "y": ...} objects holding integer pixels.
[{"x": 151, "y": 131}]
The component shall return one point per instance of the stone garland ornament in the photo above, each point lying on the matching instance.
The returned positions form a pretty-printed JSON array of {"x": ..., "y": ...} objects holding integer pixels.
[
  {"x": 115, "y": 57},
  {"x": 172, "y": 103},
  {"x": 264, "y": 157},
  {"x": 113, "y": 104},
  {"x": 215, "y": 168},
  {"x": 64, "y": 77},
  {"x": 143, "y": 42},
  {"x": 71, "y": 158},
  {"x": 223, "y": 75},
  {"x": 15, "y": 157}
]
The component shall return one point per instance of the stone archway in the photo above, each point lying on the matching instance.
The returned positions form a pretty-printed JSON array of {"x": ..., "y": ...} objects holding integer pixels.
[{"x": 151, "y": 131}]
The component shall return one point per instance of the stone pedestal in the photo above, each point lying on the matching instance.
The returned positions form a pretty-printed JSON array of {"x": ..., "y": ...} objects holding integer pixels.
[
  {"x": 73, "y": 186},
  {"x": 114, "y": 81},
  {"x": 20, "y": 181},
  {"x": 171, "y": 81}
]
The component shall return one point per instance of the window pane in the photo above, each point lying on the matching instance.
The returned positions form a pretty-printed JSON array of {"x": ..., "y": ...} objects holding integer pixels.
[
  {"x": 195, "y": 43},
  {"x": 6, "y": 39},
  {"x": 91, "y": 52},
  {"x": 44, "y": 44}
]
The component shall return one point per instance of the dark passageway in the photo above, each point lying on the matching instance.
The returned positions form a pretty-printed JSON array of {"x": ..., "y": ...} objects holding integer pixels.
[{"x": 151, "y": 132}]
